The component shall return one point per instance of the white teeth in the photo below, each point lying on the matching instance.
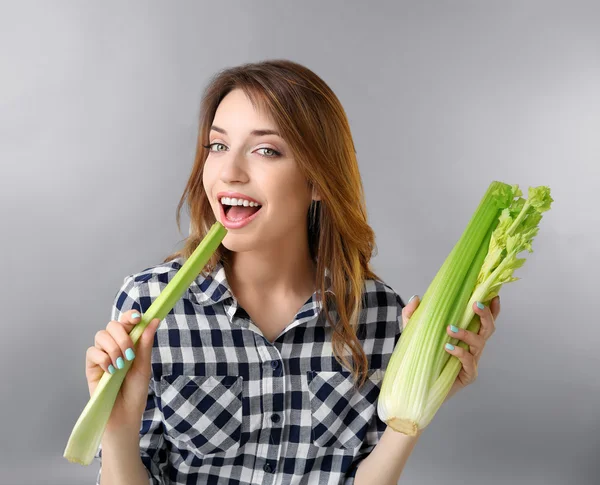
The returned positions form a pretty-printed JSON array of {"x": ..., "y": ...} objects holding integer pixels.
[{"x": 234, "y": 201}]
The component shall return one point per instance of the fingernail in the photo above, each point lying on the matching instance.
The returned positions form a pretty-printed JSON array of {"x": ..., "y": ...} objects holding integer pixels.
[
  {"x": 412, "y": 298},
  {"x": 135, "y": 315},
  {"x": 111, "y": 369},
  {"x": 480, "y": 305},
  {"x": 450, "y": 346},
  {"x": 453, "y": 328},
  {"x": 120, "y": 363},
  {"x": 129, "y": 354}
]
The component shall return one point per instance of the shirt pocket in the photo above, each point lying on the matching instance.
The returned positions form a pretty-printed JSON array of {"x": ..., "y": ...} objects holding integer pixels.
[
  {"x": 340, "y": 414},
  {"x": 203, "y": 412}
]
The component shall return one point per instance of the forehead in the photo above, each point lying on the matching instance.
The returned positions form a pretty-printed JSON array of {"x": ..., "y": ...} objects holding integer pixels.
[{"x": 237, "y": 107}]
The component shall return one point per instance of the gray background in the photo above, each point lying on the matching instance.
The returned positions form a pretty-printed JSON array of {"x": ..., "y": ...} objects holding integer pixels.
[{"x": 98, "y": 120}]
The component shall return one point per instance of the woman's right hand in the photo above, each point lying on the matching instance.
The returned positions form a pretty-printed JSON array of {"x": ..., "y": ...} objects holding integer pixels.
[{"x": 110, "y": 345}]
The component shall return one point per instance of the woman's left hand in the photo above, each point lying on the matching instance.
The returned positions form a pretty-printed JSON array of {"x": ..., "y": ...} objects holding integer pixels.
[{"x": 476, "y": 341}]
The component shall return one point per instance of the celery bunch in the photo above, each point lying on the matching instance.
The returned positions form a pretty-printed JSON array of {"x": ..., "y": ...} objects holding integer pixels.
[
  {"x": 420, "y": 372},
  {"x": 89, "y": 428}
]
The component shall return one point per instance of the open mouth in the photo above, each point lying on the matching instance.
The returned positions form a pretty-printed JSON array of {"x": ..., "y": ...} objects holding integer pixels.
[{"x": 236, "y": 213}]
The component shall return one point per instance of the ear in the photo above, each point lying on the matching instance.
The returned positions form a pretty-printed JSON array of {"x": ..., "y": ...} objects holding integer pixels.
[{"x": 315, "y": 193}]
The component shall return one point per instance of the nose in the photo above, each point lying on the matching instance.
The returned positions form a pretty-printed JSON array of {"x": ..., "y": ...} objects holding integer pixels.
[{"x": 233, "y": 168}]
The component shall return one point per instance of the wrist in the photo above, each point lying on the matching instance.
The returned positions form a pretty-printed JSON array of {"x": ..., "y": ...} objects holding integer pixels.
[
  {"x": 451, "y": 393},
  {"x": 396, "y": 438},
  {"x": 121, "y": 461},
  {"x": 121, "y": 440},
  {"x": 388, "y": 458}
]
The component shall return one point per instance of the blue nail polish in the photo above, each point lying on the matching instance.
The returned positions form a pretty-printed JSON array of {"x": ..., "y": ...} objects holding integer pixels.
[
  {"x": 129, "y": 354},
  {"x": 120, "y": 363},
  {"x": 111, "y": 369},
  {"x": 412, "y": 298},
  {"x": 450, "y": 346},
  {"x": 480, "y": 305},
  {"x": 135, "y": 315},
  {"x": 453, "y": 328}
]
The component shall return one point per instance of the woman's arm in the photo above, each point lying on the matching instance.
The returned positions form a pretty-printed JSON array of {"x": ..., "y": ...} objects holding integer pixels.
[
  {"x": 121, "y": 462},
  {"x": 386, "y": 462}
]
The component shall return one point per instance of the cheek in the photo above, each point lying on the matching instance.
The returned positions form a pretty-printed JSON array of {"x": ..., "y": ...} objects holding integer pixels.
[
  {"x": 208, "y": 184},
  {"x": 206, "y": 174},
  {"x": 291, "y": 213},
  {"x": 208, "y": 179}
]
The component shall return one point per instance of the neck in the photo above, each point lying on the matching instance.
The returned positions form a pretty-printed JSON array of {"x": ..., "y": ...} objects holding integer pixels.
[{"x": 272, "y": 275}]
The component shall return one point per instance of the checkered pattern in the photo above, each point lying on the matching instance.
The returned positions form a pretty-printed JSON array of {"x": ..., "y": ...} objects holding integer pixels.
[{"x": 227, "y": 407}]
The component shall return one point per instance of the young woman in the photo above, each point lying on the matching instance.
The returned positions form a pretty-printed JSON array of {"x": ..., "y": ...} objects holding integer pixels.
[{"x": 268, "y": 370}]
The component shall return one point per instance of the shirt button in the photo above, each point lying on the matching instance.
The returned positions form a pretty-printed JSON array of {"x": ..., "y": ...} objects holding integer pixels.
[
  {"x": 275, "y": 418},
  {"x": 275, "y": 364},
  {"x": 267, "y": 468}
]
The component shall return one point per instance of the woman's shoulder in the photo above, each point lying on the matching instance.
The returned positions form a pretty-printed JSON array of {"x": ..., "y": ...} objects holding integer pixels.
[
  {"x": 381, "y": 314},
  {"x": 136, "y": 287},
  {"x": 158, "y": 272},
  {"x": 377, "y": 292},
  {"x": 142, "y": 287},
  {"x": 164, "y": 273}
]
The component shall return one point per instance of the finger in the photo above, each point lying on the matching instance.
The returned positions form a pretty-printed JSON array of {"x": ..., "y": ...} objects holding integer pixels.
[
  {"x": 488, "y": 326},
  {"x": 119, "y": 334},
  {"x": 469, "y": 365},
  {"x": 475, "y": 342},
  {"x": 105, "y": 342},
  {"x": 409, "y": 309},
  {"x": 130, "y": 319},
  {"x": 495, "y": 307},
  {"x": 96, "y": 358}
]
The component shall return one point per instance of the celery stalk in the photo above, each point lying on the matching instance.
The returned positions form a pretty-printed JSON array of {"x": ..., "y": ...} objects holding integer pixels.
[
  {"x": 89, "y": 428},
  {"x": 420, "y": 372}
]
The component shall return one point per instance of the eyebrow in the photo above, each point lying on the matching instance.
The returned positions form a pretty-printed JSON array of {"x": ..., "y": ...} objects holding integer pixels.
[{"x": 253, "y": 132}]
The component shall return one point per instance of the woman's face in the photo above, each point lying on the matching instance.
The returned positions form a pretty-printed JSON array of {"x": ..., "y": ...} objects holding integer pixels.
[{"x": 260, "y": 167}]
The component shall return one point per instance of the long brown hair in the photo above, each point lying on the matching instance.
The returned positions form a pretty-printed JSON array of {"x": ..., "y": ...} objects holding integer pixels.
[{"x": 313, "y": 122}]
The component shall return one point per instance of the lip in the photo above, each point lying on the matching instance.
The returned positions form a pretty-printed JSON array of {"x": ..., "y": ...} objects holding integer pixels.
[
  {"x": 238, "y": 224},
  {"x": 237, "y": 195}
]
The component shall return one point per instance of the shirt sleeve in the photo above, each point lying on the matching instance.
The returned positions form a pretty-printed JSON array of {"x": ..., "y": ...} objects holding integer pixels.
[
  {"x": 377, "y": 426},
  {"x": 153, "y": 450},
  {"x": 351, "y": 473}
]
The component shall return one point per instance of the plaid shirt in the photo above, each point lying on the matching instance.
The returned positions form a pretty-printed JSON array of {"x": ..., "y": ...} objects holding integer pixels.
[{"x": 226, "y": 406}]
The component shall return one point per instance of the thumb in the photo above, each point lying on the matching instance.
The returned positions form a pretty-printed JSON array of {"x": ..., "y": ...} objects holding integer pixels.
[
  {"x": 144, "y": 346},
  {"x": 409, "y": 309}
]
